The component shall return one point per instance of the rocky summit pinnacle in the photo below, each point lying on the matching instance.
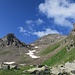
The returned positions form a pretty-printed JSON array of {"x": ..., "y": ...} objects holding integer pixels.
[{"x": 11, "y": 40}]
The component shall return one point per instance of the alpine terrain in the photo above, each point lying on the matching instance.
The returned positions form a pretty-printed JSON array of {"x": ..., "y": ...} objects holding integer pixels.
[{"x": 51, "y": 49}]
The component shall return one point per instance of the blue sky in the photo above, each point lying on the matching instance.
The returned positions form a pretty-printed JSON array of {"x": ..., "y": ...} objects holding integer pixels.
[{"x": 32, "y": 19}]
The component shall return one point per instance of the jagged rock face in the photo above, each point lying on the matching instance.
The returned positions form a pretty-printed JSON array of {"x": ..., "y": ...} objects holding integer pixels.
[{"x": 11, "y": 40}]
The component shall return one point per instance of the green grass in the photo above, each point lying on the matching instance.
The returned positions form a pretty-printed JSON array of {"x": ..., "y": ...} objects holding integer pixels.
[
  {"x": 61, "y": 57},
  {"x": 50, "y": 48},
  {"x": 10, "y": 72},
  {"x": 16, "y": 72}
]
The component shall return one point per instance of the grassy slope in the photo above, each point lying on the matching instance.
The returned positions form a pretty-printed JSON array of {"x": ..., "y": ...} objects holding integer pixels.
[
  {"x": 61, "y": 57},
  {"x": 50, "y": 48}
]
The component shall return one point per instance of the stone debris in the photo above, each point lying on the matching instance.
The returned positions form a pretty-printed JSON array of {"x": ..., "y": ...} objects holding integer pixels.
[
  {"x": 66, "y": 69},
  {"x": 71, "y": 45}
]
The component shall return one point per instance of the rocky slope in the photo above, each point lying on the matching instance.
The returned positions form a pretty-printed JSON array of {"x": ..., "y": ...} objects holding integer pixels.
[{"x": 46, "y": 41}]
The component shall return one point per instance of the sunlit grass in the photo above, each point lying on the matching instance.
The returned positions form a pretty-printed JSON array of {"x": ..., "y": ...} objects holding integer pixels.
[{"x": 61, "y": 57}]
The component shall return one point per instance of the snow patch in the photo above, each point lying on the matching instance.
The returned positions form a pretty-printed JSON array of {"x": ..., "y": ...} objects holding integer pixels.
[
  {"x": 31, "y": 54},
  {"x": 36, "y": 47},
  {"x": 9, "y": 63}
]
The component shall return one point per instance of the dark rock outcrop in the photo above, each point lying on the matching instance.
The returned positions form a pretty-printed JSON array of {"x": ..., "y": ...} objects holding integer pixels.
[{"x": 11, "y": 40}]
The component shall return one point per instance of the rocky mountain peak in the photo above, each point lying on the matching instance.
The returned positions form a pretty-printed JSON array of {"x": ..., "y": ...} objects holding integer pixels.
[
  {"x": 49, "y": 39},
  {"x": 11, "y": 35},
  {"x": 11, "y": 40}
]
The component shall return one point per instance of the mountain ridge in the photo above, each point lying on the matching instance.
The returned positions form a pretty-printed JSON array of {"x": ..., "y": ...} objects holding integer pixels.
[{"x": 12, "y": 49}]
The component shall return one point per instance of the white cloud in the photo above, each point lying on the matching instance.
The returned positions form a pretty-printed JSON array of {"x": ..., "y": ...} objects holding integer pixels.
[
  {"x": 60, "y": 10},
  {"x": 21, "y": 29},
  {"x": 34, "y": 22},
  {"x": 38, "y": 33},
  {"x": 39, "y": 21},
  {"x": 29, "y": 22},
  {"x": 46, "y": 32},
  {"x": 24, "y": 31}
]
